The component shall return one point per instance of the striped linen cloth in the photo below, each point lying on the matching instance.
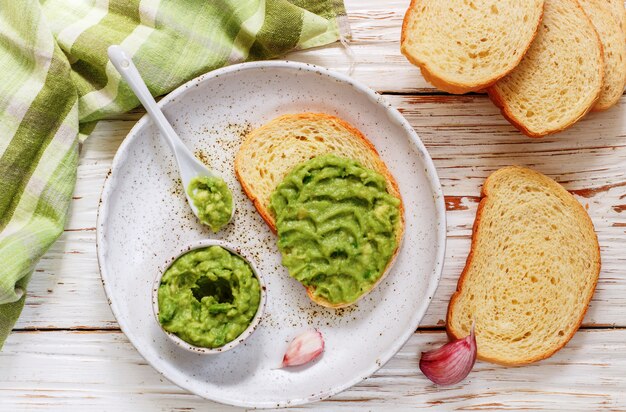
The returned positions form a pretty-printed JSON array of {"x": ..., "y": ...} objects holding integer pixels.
[{"x": 56, "y": 83}]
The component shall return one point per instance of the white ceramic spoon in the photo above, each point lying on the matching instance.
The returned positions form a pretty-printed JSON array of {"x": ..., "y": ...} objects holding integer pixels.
[{"x": 188, "y": 165}]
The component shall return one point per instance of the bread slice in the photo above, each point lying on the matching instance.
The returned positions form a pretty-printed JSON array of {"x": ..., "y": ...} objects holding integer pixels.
[
  {"x": 531, "y": 271},
  {"x": 559, "y": 79},
  {"x": 608, "y": 25},
  {"x": 463, "y": 46},
  {"x": 619, "y": 11},
  {"x": 270, "y": 152}
]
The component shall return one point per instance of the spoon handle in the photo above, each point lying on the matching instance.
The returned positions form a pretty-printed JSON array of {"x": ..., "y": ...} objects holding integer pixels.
[{"x": 129, "y": 72}]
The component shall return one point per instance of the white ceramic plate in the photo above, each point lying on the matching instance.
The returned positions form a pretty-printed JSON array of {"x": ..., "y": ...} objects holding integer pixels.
[{"x": 143, "y": 218}]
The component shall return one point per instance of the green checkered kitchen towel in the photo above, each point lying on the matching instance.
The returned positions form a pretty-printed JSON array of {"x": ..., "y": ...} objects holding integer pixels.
[{"x": 56, "y": 83}]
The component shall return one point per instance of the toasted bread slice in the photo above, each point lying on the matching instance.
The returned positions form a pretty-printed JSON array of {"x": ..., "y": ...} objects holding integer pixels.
[
  {"x": 559, "y": 79},
  {"x": 270, "y": 152},
  {"x": 608, "y": 25},
  {"x": 463, "y": 46},
  {"x": 619, "y": 11},
  {"x": 531, "y": 271}
]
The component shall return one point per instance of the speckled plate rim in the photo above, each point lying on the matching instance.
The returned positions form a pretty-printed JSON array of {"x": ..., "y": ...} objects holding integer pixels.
[{"x": 394, "y": 115}]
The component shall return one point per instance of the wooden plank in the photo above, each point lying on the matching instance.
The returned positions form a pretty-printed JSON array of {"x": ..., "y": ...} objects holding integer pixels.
[
  {"x": 468, "y": 140},
  {"x": 375, "y": 44},
  {"x": 77, "y": 371}
]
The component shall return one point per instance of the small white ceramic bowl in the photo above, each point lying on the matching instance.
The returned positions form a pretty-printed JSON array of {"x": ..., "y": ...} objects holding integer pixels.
[{"x": 245, "y": 334}]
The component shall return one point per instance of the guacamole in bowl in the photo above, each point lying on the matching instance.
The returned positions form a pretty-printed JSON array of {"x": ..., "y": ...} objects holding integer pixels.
[{"x": 209, "y": 299}]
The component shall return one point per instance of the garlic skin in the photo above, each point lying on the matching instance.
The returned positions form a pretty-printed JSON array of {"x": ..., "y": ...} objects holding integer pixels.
[
  {"x": 451, "y": 363},
  {"x": 303, "y": 349}
]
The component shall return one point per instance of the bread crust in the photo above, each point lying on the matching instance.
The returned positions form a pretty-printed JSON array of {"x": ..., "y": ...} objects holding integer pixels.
[
  {"x": 447, "y": 85},
  {"x": 392, "y": 189},
  {"x": 453, "y": 334},
  {"x": 499, "y": 101}
]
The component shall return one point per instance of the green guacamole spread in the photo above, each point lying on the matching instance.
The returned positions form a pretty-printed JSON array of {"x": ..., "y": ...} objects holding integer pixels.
[
  {"x": 208, "y": 297},
  {"x": 336, "y": 226},
  {"x": 213, "y": 199}
]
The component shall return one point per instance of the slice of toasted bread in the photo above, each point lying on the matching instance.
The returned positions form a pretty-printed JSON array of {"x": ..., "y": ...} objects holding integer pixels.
[
  {"x": 270, "y": 152},
  {"x": 609, "y": 27},
  {"x": 559, "y": 79},
  {"x": 619, "y": 11},
  {"x": 531, "y": 271},
  {"x": 462, "y": 46}
]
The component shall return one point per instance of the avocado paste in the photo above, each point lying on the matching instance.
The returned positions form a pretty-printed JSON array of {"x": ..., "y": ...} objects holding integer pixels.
[
  {"x": 213, "y": 199},
  {"x": 208, "y": 297},
  {"x": 336, "y": 226}
]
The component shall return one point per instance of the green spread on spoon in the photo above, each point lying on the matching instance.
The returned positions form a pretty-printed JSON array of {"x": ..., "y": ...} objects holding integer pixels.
[
  {"x": 213, "y": 199},
  {"x": 336, "y": 226},
  {"x": 208, "y": 297}
]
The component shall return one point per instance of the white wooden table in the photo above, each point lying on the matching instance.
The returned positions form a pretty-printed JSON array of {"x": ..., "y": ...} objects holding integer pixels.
[{"x": 67, "y": 352}]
